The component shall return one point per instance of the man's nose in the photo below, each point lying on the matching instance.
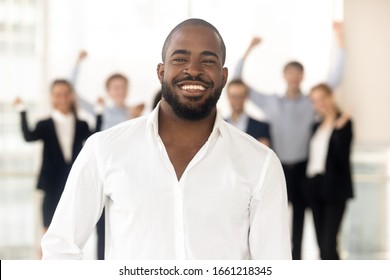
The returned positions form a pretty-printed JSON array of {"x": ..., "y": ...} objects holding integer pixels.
[{"x": 194, "y": 69}]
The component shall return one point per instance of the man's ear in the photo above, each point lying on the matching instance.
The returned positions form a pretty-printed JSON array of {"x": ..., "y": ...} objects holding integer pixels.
[
  {"x": 160, "y": 72},
  {"x": 225, "y": 74}
]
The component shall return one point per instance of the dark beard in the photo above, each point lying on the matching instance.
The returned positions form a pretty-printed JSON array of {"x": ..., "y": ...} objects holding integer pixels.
[{"x": 188, "y": 112}]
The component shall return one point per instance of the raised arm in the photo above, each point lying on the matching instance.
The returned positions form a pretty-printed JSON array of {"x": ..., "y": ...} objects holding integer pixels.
[
  {"x": 237, "y": 73},
  {"x": 337, "y": 68},
  {"x": 257, "y": 97},
  {"x": 84, "y": 103},
  {"x": 79, "y": 209},
  {"x": 81, "y": 56},
  {"x": 28, "y": 134}
]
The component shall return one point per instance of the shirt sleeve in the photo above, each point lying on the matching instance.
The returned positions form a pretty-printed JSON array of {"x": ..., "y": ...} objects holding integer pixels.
[
  {"x": 260, "y": 99},
  {"x": 269, "y": 236},
  {"x": 337, "y": 69},
  {"x": 84, "y": 103},
  {"x": 79, "y": 209},
  {"x": 31, "y": 134}
]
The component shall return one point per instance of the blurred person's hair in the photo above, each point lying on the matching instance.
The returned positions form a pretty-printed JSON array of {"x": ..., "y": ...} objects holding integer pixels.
[
  {"x": 114, "y": 77},
  {"x": 327, "y": 90},
  {"x": 294, "y": 64},
  {"x": 238, "y": 82}
]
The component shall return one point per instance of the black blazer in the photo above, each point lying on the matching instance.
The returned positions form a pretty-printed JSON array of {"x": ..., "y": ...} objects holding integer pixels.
[
  {"x": 337, "y": 183},
  {"x": 258, "y": 129},
  {"x": 54, "y": 169}
]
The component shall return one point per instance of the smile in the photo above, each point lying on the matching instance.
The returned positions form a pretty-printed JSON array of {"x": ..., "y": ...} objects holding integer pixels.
[{"x": 193, "y": 87}]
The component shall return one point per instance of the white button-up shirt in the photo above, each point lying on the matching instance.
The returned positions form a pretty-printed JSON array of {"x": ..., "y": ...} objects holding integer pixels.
[{"x": 230, "y": 202}]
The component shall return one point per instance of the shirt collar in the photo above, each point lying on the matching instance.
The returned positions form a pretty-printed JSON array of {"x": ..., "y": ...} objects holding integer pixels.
[
  {"x": 298, "y": 98},
  {"x": 218, "y": 129},
  {"x": 61, "y": 117}
]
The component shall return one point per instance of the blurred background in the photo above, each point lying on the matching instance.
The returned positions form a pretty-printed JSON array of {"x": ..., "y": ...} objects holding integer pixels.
[{"x": 40, "y": 41}]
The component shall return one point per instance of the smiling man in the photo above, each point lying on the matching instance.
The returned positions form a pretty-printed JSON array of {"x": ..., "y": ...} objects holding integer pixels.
[{"x": 179, "y": 183}]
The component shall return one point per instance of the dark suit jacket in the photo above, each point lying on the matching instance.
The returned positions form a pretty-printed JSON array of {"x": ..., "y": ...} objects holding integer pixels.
[
  {"x": 337, "y": 183},
  {"x": 258, "y": 129},
  {"x": 54, "y": 169}
]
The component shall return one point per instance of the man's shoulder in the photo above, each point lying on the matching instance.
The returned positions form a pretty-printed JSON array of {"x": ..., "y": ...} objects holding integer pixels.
[
  {"x": 246, "y": 149},
  {"x": 244, "y": 142}
]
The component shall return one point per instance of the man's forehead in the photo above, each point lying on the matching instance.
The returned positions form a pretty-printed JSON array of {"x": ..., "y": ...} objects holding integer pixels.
[
  {"x": 189, "y": 31},
  {"x": 187, "y": 36}
]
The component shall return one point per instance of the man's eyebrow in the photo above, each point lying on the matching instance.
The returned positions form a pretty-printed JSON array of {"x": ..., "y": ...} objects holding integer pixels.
[
  {"x": 209, "y": 53},
  {"x": 205, "y": 53},
  {"x": 180, "y": 52}
]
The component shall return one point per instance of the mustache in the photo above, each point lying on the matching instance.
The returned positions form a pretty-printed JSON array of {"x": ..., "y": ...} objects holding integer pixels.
[{"x": 190, "y": 78}]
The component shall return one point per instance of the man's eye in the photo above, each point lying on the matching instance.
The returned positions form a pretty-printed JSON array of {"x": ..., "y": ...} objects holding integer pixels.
[
  {"x": 179, "y": 59},
  {"x": 209, "y": 61}
]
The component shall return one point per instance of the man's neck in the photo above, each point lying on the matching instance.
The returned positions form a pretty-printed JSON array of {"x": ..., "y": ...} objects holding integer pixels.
[
  {"x": 182, "y": 138},
  {"x": 236, "y": 115},
  {"x": 293, "y": 93},
  {"x": 187, "y": 132}
]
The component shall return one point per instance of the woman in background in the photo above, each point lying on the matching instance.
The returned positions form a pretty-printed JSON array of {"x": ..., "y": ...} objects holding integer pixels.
[
  {"x": 63, "y": 135},
  {"x": 329, "y": 183}
]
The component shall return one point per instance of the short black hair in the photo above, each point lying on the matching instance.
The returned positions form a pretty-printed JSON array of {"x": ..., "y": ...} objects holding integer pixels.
[
  {"x": 189, "y": 22},
  {"x": 294, "y": 64}
]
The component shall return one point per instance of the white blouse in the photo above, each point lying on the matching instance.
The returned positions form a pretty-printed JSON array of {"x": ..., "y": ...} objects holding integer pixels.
[
  {"x": 65, "y": 129},
  {"x": 318, "y": 151}
]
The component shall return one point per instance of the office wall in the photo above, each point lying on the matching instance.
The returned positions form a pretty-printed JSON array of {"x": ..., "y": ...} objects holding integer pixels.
[
  {"x": 366, "y": 87},
  {"x": 127, "y": 36}
]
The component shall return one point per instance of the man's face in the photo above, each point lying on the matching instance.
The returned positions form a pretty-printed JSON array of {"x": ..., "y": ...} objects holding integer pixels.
[
  {"x": 237, "y": 95},
  {"x": 293, "y": 77},
  {"x": 192, "y": 75},
  {"x": 117, "y": 90}
]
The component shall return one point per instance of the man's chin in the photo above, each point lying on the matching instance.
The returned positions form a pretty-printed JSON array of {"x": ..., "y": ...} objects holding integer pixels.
[{"x": 193, "y": 112}]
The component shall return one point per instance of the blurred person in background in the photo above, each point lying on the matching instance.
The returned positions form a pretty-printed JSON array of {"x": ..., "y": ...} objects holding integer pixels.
[
  {"x": 291, "y": 117},
  {"x": 115, "y": 112},
  {"x": 117, "y": 87},
  {"x": 329, "y": 183},
  {"x": 63, "y": 135},
  {"x": 237, "y": 93}
]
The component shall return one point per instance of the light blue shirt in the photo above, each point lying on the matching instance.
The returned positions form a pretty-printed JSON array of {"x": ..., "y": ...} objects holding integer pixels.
[
  {"x": 241, "y": 123},
  {"x": 291, "y": 120},
  {"x": 112, "y": 114}
]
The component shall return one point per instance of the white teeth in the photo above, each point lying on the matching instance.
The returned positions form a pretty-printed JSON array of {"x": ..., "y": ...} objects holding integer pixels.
[{"x": 193, "y": 87}]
